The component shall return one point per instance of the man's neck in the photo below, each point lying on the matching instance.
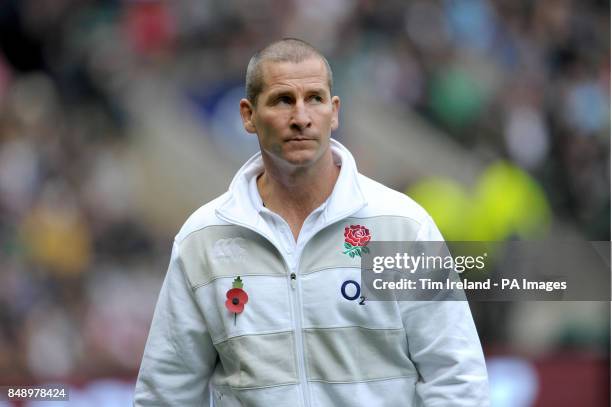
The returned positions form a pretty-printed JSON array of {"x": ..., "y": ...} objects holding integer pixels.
[{"x": 295, "y": 194}]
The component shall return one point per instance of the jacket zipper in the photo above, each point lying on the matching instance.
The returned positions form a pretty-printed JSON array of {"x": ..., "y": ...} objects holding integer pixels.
[{"x": 296, "y": 301}]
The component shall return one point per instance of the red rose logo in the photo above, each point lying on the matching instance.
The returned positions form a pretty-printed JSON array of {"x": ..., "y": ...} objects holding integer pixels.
[
  {"x": 356, "y": 238},
  {"x": 357, "y": 235}
]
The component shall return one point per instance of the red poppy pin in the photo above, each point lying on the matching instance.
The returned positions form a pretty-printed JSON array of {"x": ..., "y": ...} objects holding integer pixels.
[
  {"x": 356, "y": 238},
  {"x": 236, "y": 298}
]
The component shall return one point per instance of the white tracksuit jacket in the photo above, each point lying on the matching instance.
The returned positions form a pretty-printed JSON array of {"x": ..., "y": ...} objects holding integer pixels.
[{"x": 300, "y": 342}]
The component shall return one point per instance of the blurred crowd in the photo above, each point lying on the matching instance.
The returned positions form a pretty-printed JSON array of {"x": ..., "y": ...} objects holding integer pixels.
[{"x": 80, "y": 266}]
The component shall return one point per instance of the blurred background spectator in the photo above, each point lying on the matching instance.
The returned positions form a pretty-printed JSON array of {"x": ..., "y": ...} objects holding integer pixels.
[{"x": 119, "y": 118}]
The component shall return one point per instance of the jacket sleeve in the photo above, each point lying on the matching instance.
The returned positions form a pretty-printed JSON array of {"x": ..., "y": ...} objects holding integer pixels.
[
  {"x": 445, "y": 348},
  {"x": 179, "y": 356}
]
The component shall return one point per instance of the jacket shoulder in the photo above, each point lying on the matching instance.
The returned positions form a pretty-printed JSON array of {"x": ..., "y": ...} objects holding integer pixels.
[
  {"x": 384, "y": 201},
  {"x": 202, "y": 217}
]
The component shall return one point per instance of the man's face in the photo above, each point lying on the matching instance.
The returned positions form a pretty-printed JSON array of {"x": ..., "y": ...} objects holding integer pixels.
[{"x": 295, "y": 112}]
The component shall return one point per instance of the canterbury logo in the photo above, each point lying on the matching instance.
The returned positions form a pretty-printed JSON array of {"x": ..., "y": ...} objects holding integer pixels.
[{"x": 229, "y": 249}]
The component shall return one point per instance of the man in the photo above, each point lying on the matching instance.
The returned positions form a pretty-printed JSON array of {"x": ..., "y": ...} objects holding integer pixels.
[{"x": 255, "y": 302}]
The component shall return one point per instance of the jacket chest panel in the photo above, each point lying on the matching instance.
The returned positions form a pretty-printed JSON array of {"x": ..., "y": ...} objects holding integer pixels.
[
  {"x": 221, "y": 252},
  {"x": 267, "y": 309},
  {"x": 333, "y": 298}
]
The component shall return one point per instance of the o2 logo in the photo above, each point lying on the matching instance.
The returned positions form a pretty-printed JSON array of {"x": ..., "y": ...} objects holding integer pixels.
[{"x": 356, "y": 290}]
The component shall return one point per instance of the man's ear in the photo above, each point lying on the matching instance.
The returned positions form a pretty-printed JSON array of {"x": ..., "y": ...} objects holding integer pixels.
[
  {"x": 335, "y": 110},
  {"x": 246, "y": 112}
]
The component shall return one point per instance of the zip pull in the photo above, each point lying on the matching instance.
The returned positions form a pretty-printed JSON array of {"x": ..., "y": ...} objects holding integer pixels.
[{"x": 293, "y": 279}]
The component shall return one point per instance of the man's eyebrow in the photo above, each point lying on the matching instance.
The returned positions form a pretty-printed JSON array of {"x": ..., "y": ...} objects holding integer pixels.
[
  {"x": 320, "y": 90},
  {"x": 279, "y": 92}
]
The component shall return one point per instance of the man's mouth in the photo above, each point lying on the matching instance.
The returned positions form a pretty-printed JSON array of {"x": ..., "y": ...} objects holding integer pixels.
[{"x": 300, "y": 138}]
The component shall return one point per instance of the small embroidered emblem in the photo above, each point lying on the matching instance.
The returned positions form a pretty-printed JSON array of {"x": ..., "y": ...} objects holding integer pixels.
[
  {"x": 356, "y": 238},
  {"x": 357, "y": 292},
  {"x": 236, "y": 298},
  {"x": 230, "y": 249}
]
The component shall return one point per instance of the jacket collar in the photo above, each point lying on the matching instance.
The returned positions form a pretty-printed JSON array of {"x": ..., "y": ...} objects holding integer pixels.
[{"x": 346, "y": 198}]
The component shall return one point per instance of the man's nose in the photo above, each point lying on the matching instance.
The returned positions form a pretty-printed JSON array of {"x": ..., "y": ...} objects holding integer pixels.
[{"x": 300, "y": 118}]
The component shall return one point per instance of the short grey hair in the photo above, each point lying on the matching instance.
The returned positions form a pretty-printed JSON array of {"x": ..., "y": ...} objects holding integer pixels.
[{"x": 285, "y": 50}]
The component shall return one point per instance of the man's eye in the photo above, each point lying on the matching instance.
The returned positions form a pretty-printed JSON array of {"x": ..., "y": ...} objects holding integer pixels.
[
  {"x": 316, "y": 98},
  {"x": 283, "y": 100}
]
